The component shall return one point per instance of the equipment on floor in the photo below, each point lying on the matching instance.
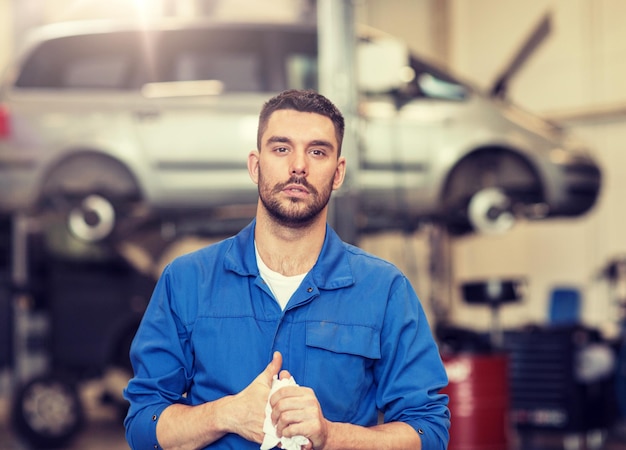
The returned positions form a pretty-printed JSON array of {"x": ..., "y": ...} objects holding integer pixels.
[
  {"x": 91, "y": 309},
  {"x": 477, "y": 370}
]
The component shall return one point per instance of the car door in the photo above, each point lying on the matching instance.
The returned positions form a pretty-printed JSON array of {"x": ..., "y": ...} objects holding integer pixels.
[
  {"x": 198, "y": 121},
  {"x": 198, "y": 118}
]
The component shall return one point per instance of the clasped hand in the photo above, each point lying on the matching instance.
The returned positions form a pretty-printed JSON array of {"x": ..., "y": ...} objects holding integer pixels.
[{"x": 295, "y": 409}]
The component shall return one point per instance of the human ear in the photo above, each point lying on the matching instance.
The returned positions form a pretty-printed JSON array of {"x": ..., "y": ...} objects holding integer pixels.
[
  {"x": 253, "y": 166},
  {"x": 340, "y": 173}
]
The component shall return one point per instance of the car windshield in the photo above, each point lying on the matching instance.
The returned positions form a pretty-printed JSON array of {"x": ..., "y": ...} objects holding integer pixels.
[{"x": 433, "y": 82}]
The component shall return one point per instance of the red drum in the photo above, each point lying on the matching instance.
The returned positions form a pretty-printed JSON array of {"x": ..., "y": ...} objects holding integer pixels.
[{"x": 479, "y": 401}]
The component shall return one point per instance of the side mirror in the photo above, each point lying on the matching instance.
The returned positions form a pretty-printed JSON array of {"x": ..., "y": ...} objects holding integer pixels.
[{"x": 382, "y": 65}]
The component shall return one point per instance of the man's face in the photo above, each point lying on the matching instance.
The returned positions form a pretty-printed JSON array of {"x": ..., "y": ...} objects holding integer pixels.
[{"x": 297, "y": 167}]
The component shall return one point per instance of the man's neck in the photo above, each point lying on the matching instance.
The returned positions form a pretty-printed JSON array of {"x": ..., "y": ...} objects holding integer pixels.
[{"x": 286, "y": 250}]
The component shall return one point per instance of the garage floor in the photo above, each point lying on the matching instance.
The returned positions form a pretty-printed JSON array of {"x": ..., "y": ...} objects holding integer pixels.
[
  {"x": 104, "y": 431},
  {"x": 99, "y": 435},
  {"x": 107, "y": 434}
]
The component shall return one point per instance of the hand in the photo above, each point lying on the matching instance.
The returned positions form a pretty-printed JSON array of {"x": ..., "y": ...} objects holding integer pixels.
[
  {"x": 248, "y": 411},
  {"x": 296, "y": 411}
]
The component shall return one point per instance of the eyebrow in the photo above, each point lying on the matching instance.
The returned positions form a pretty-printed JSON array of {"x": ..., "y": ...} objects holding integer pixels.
[
  {"x": 281, "y": 139},
  {"x": 314, "y": 143},
  {"x": 321, "y": 143}
]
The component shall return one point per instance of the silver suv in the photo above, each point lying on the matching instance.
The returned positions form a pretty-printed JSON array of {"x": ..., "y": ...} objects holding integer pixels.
[{"x": 104, "y": 121}]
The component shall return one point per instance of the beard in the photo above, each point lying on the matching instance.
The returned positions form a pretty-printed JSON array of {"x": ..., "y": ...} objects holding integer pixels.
[{"x": 294, "y": 212}]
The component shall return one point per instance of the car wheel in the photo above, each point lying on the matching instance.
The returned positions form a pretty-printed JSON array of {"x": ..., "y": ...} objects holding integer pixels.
[
  {"x": 47, "y": 412},
  {"x": 91, "y": 193},
  {"x": 484, "y": 190},
  {"x": 92, "y": 218},
  {"x": 490, "y": 211}
]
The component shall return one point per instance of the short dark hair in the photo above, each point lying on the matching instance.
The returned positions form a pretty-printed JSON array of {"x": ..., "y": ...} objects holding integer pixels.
[{"x": 302, "y": 101}]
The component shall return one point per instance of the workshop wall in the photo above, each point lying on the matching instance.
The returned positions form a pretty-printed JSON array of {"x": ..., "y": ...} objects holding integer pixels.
[{"x": 6, "y": 37}]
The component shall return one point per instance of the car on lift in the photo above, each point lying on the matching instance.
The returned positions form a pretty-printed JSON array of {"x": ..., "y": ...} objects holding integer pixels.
[{"x": 101, "y": 122}]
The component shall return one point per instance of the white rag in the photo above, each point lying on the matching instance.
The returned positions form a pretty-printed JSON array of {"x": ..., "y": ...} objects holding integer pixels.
[{"x": 271, "y": 440}]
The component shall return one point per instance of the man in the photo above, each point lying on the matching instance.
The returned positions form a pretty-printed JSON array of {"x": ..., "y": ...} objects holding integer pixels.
[{"x": 286, "y": 293}]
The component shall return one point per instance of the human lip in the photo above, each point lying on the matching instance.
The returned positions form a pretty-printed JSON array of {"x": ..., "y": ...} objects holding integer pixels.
[{"x": 295, "y": 189}]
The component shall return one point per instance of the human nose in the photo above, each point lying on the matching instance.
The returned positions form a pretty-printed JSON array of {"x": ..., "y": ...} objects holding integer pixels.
[{"x": 298, "y": 164}]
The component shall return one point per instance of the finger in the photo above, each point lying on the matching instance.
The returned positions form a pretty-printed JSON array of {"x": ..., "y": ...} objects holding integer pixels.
[
  {"x": 270, "y": 370},
  {"x": 273, "y": 367},
  {"x": 284, "y": 374}
]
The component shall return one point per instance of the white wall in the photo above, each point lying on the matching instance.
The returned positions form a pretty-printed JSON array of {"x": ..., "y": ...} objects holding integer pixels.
[
  {"x": 6, "y": 35},
  {"x": 416, "y": 22}
]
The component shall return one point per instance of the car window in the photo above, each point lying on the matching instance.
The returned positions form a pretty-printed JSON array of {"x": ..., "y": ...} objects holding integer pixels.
[
  {"x": 236, "y": 59},
  {"x": 301, "y": 71},
  {"x": 240, "y": 60},
  {"x": 299, "y": 57},
  {"x": 435, "y": 83},
  {"x": 99, "y": 61},
  {"x": 235, "y": 72},
  {"x": 431, "y": 86}
]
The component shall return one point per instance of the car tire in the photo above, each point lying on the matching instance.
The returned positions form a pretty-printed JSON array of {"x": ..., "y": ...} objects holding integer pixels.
[
  {"x": 92, "y": 218},
  {"x": 91, "y": 193},
  {"x": 484, "y": 189},
  {"x": 47, "y": 412},
  {"x": 490, "y": 211}
]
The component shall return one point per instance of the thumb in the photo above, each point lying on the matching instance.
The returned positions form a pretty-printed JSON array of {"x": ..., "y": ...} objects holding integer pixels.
[{"x": 273, "y": 367}]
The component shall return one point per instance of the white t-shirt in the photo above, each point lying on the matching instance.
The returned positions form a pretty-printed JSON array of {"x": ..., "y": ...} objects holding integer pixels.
[{"x": 281, "y": 286}]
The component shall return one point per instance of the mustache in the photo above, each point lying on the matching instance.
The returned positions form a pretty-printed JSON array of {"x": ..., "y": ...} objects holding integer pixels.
[{"x": 295, "y": 180}]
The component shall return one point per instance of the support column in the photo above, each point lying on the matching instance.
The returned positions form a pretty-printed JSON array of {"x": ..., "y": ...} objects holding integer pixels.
[{"x": 337, "y": 81}]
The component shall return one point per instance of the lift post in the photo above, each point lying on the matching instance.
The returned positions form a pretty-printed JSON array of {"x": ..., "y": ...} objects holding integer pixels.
[
  {"x": 29, "y": 329},
  {"x": 337, "y": 81}
]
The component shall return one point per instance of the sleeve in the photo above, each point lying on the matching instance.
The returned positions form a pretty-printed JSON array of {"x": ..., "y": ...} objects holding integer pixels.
[
  {"x": 161, "y": 358},
  {"x": 410, "y": 372}
]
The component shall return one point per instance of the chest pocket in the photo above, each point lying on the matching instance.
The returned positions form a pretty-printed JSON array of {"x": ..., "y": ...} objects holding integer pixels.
[
  {"x": 339, "y": 368},
  {"x": 357, "y": 340}
]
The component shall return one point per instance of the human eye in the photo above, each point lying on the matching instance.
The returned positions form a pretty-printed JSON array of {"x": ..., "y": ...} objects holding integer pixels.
[
  {"x": 318, "y": 152},
  {"x": 320, "y": 148}
]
